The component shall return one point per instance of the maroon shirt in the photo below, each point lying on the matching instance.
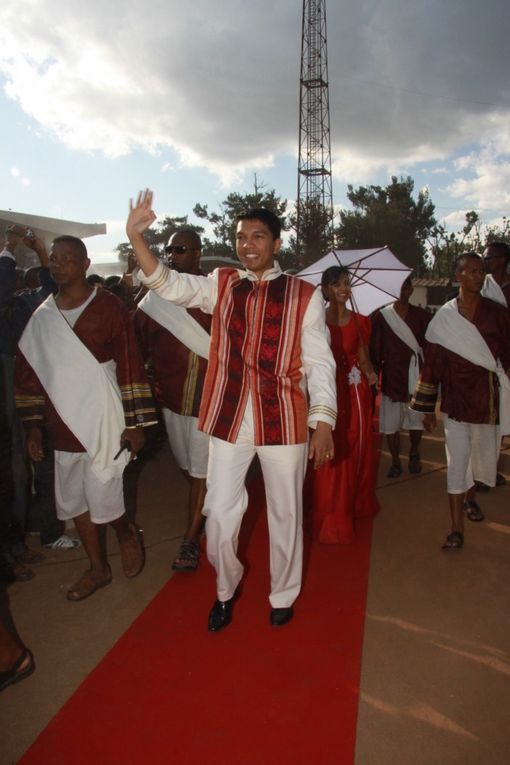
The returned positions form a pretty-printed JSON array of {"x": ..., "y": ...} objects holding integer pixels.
[
  {"x": 469, "y": 393},
  {"x": 392, "y": 356},
  {"x": 178, "y": 372},
  {"x": 105, "y": 329}
]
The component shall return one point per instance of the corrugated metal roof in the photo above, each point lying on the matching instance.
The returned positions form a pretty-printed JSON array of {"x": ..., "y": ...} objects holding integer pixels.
[{"x": 443, "y": 282}]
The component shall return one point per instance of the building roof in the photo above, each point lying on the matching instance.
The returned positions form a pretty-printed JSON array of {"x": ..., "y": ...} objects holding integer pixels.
[{"x": 426, "y": 282}]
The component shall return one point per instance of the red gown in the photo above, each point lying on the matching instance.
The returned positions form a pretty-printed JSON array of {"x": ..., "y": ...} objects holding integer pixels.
[{"x": 344, "y": 489}]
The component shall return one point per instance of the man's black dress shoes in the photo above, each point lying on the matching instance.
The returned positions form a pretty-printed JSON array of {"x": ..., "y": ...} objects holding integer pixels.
[
  {"x": 280, "y": 616},
  {"x": 220, "y": 615}
]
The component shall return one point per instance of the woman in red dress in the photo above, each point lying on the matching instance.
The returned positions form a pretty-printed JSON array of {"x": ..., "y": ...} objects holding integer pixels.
[{"x": 344, "y": 489}]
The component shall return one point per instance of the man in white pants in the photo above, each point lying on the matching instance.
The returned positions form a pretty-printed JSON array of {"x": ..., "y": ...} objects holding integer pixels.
[
  {"x": 78, "y": 371},
  {"x": 177, "y": 343},
  {"x": 268, "y": 340},
  {"x": 396, "y": 350},
  {"x": 469, "y": 347}
]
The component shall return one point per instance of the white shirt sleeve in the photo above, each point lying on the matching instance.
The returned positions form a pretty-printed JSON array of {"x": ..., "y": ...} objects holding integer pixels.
[
  {"x": 187, "y": 290},
  {"x": 7, "y": 254},
  {"x": 319, "y": 364}
]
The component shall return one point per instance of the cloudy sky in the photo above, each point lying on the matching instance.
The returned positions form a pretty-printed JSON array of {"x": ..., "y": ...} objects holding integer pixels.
[{"x": 99, "y": 99}]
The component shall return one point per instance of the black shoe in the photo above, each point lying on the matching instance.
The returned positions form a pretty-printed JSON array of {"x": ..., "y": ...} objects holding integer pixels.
[
  {"x": 280, "y": 616},
  {"x": 220, "y": 615}
]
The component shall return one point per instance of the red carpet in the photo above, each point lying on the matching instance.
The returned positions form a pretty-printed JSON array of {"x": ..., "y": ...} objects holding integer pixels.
[{"x": 170, "y": 692}]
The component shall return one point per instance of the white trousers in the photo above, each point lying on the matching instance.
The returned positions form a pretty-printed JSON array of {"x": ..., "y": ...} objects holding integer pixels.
[
  {"x": 78, "y": 489},
  {"x": 396, "y": 415},
  {"x": 189, "y": 445},
  {"x": 283, "y": 469},
  {"x": 472, "y": 452}
]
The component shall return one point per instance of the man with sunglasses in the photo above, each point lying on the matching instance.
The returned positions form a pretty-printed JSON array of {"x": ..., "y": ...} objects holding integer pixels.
[
  {"x": 176, "y": 341},
  {"x": 271, "y": 376}
]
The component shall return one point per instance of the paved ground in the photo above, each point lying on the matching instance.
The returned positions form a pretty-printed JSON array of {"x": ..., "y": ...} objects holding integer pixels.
[{"x": 436, "y": 656}]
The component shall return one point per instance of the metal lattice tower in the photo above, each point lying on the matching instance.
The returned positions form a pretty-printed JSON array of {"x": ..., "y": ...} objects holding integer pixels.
[{"x": 315, "y": 198}]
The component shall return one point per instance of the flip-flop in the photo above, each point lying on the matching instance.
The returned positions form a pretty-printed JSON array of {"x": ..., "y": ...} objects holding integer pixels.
[
  {"x": 87, "y": 586},
  {"x": 15, "y": 674}
]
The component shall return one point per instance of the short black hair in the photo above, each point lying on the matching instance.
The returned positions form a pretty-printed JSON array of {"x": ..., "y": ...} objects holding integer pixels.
[
  {"x": 502, "y": 248},
  {"x": 269, "y": 218},
  {"x": 77, "y": 243},
  {"x": 95, "y": 279},
  {"x": 192, "y": 235},
  {"x": 111, "y": 280},
  {"x": 460, "y": 260}
]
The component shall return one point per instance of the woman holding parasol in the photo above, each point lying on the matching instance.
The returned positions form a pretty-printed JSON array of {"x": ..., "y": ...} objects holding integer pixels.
[{"x": 344, "y": 489}]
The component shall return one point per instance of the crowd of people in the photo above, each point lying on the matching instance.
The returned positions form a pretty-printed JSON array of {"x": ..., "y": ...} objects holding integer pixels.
[{"x": 238, "y": 364}]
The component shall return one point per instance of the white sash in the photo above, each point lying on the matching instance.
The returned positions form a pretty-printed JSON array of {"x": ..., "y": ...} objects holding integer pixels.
[
  {"x": 84, "y": 392},
  {"x": 178, "y": 322},
  {"x": 404, "y": 332},
  {"x": 493, "y": 291},
  {"x": 451, "y": 330}
]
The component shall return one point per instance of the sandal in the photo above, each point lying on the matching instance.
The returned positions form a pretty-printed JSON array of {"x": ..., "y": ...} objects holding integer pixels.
[
  {"x": 132, "y": 553},
  {"x": 473, "y": 511},
  {"x": 30, "y": 557},
  {"x": 15, "y": 674},
  {"x": 454, "y": 541},
  {"x": 87, "y": 585},
  {"x": 187, "y": 557},
  {"x": 21, "y": 572},
  {"x": 394, "y": 472},
  {"x": 414, "y": 463}
]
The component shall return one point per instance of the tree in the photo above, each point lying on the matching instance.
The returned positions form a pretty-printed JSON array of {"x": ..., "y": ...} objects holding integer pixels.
[
  {"x": 446, "y": 246},
  {"x": 224, "y": 221},
  {"x": 315, "y": 233},
  {"x": 157, "y": 236},
  {"x": 389, "y": 216}
]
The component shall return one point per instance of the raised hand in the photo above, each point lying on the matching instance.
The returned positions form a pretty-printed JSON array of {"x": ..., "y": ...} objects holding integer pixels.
[{"x": 141, "y": 215}]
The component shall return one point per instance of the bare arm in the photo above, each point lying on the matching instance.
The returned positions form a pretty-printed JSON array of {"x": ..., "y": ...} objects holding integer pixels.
[
  {"x": 141, "y": 216},
  {"x": 366, "y": 365}
]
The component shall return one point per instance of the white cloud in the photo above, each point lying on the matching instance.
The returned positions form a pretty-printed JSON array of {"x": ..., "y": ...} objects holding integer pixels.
[{"x": 217, "y": 82}]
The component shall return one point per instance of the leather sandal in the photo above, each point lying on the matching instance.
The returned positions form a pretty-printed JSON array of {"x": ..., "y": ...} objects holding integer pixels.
[
  {"x": 454, "y": 541},
  {"x": 132, "y": 553},
  {"x": 414, "y": 463},
  {"x": 87, "y": 585},
  {"x": 187, "y": 557},
  {"x": 473, "y": 511},
  {"x": 15, "y": 674},
  {"x": 395, "y": 471}
]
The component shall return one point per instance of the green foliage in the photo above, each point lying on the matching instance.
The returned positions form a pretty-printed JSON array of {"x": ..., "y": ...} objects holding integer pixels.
[
  {"x": 157, "y": 236},
  {"x": 388, "y": 215},
  {"x": 446, "y": 246},
  {"x": 315, "y": 238},
  {"x": 224, "y": 221}
]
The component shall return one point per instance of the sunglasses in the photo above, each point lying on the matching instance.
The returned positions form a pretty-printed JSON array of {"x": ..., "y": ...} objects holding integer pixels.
[{"x": 178, "y": 249}]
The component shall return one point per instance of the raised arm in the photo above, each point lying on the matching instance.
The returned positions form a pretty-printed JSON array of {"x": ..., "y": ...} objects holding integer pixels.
[{"x": 141, "y": 216}]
